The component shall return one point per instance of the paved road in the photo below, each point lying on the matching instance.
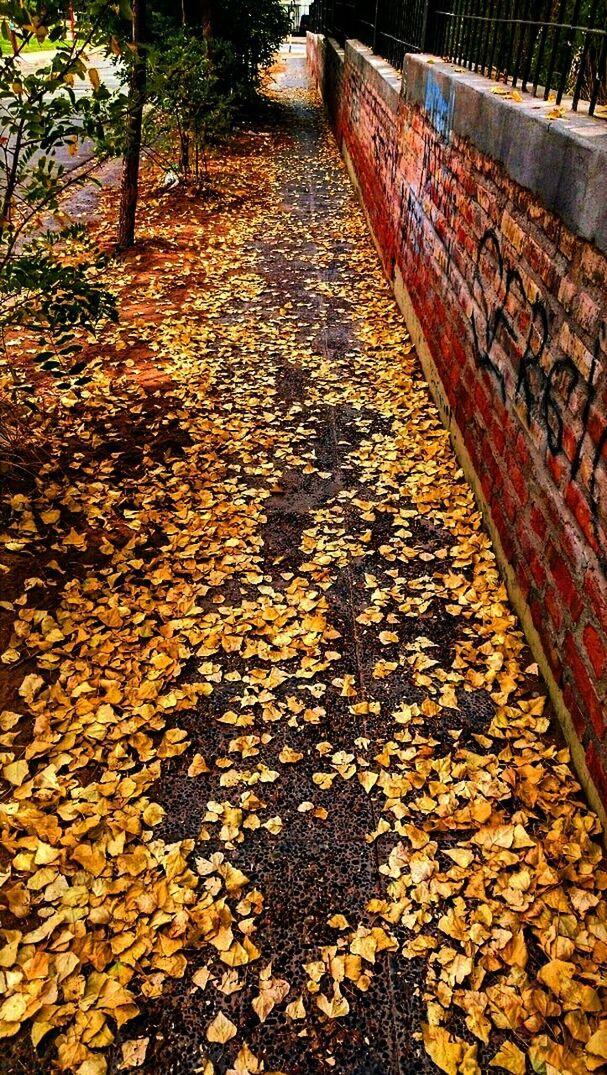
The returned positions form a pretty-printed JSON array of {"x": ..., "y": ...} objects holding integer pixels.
[
  {"x": 108, "y": 71},
  {"x": 80, "y": 205}
]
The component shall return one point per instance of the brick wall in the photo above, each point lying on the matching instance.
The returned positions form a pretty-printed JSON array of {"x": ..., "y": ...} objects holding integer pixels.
[{"x": 499, "y": 252}]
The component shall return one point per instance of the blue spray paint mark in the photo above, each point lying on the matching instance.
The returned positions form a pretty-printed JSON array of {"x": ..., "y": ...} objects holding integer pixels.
[{"x": 438, "y": 107}]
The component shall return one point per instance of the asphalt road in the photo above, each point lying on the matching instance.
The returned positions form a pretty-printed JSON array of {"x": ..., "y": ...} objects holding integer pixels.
[{"x": 109, "y": 73}]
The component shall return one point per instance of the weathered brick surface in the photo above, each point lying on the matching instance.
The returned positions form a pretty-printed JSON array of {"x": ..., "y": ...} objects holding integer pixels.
[{"x": 514, "y": 310}]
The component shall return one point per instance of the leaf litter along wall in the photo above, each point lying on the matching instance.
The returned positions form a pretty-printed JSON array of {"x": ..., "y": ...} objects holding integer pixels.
[{"x": 510, "y": 306}]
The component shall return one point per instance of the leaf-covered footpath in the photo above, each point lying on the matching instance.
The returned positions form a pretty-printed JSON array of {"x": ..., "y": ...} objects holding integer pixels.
[{"x": 249, "y": 573}]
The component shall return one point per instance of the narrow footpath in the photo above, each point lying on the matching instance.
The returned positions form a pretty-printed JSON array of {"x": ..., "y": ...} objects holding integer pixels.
[{"x": 285, "y": 796}]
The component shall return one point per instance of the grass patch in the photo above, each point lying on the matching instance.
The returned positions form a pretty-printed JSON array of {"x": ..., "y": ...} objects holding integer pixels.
[{"x": 34, "y": 45}]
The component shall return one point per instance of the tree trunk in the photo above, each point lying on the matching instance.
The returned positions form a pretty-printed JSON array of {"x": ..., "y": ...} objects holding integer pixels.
[
  {"x": 130, "y": 170},
  {"x": 207, "y": 19},
  {"x": 198, "y": 13}
]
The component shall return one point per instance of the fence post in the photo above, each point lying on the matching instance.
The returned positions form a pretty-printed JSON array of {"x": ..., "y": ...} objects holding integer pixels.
[
  {"x": 376, "y": 26},
  {"x": 429, "y": 27}
]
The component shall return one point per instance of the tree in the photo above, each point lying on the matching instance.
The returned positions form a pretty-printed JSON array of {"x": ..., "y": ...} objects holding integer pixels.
[
  {"x": 254, "y": 30},
  {"x": 132, "y": 157},
  {"x": 49, "y": 136},
  {"x": 189, "y": 109},
  {"x": 207, "y": 18},
  {"x": 241, "y": 37},
  {"x": 198, "y": 13}
]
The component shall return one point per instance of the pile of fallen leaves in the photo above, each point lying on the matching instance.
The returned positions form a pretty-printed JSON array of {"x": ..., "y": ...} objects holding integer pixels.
[{"x": 146, "y": 601}]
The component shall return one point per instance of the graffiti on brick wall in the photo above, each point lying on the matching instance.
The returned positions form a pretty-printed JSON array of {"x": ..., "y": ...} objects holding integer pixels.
[
  {"x": 437, "y": 187},
  {"x": 599, "y": 360},
  {"x": 439, "y": 106},
  {"x": 386, "y": 155},
  {"x": 511, "y": 335},
  {"x": 411, "y": 219},
  {"x": 354, "y": 97}
]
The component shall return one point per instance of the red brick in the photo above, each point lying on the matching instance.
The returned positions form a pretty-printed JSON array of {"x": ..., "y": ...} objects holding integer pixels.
[
  {"x": 593, "y": 265},
  {"x": 596, "y": 768},
  {"x": 588, "y": 313},
  {"x": 538, "y": 570},
  {"x": 503, "y": 530},
  {"x": 596, "y": 425},
  {"x": 579, "y": 719},
  {"x": 565, "y": 583},
  {"x": 583, "y": 515},
  {"x": 596, "y": 649},
  {"x": 537, "y": 614},
  {"x": 584, "y": 687},
  {"x": 595, "y": 588},
  {"x": 522, "y": 452},
  {"x": 570, "y": 442},
  {"x": 519, "y": 482},
  {"x": 498, "y": 438},
  {"x": 538, "y": 523},
  {"x": 483, "y": 406},
  {"x": 549, "y": 528},
  {"x": 510, "y": 505},
  {"x": 556, "y": 466},
  {"x": 542, "y": 263},
  {"x": 554, "y": 607}
]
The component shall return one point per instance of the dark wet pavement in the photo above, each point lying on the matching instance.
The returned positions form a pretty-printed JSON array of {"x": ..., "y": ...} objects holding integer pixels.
[{"x": 368, "y": 690}]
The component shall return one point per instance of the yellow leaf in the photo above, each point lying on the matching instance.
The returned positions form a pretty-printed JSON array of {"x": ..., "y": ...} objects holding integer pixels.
[
  {"x": 296, "y": 1009},
  {"x": 221, "y": 1029},
  {"x": 324, "y": 780},
  {"x": 510, "y": 1058},
  {"x": 440, "y": 1047},
  {"x": 338, "y": 921},
  {"x": 335, "y": 1008},
  {"x": 597, "y": 1045},
  {"x": 387, "y": 638},
  {"x": 30, "y": 686},
  {"x": 462, "y": 856},
  {"x": 133, "y": 1052},
  {"x": 153, "y": 814},
  {"x": 197, "y": 766},
  {"x": 289, "y": 756},
  {"x": 13, "y": 1008},
  {"x": 201, "y": 977},
  {"x": 271, "y": 993},
  {"x": 246, "y": 1063},
  {"x": 16, "y": 772},
  {"x": 76, "y": 539},
  {"x": 274, "y": 825},
  {"x": 95, "y": 1064},
  {"x": 368, "y": 780}
]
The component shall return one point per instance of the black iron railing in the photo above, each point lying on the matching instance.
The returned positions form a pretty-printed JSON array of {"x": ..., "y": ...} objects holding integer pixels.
[{"x": 550, "y": 48}]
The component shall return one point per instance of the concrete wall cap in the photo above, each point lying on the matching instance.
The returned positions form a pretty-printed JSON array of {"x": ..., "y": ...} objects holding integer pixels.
[
  {"x": 336, "y": 47},
  {"x": 387, "y": 79},
  {"x": 563, "y": 161}
]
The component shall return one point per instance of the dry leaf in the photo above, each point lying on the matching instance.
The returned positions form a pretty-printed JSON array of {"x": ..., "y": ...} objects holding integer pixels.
[
  {"x": 133, "y": 1052},
  {"x": 221, "y": 1029}
]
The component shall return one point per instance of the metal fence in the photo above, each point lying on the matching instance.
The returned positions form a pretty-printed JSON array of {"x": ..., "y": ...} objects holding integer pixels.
[{"x": 550, "y": 48}]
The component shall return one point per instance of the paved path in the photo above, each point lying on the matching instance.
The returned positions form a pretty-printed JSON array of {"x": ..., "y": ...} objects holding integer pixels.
[{"x": 376, "y": 760}]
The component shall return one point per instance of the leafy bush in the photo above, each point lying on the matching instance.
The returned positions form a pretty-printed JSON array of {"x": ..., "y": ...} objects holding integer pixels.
[
  {"x": 51, "y": 293},
  {"x": 44, "y": 125},
  {"x": 186, "y": 89},
  {"x": 253, "y": 30}
]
